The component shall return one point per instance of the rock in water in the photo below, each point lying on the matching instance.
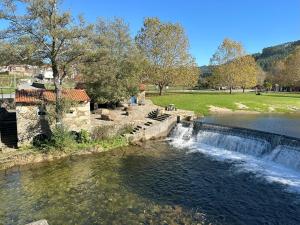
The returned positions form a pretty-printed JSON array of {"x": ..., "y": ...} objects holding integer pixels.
[{"x": 40, "y": 222}]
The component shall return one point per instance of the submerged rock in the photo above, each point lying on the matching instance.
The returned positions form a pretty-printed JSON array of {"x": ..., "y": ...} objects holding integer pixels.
[{"x": 40, "y": 222}]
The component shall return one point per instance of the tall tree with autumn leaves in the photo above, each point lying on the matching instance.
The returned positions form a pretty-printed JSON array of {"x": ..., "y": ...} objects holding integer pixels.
[
  {"x": 248, "y": 72},
  {"x": 232, "y": 67},
  {"x": 166, "y": 48},
  {"x": 292, "y": 68}
]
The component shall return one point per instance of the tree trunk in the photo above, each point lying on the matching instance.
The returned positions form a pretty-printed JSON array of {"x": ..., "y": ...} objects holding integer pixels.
[
  {"x": 160, "y": 89},
  {"x": 243, "y": 89},
  {"x": 58, "y": 96},
  {"x": 230, "y": 90}
]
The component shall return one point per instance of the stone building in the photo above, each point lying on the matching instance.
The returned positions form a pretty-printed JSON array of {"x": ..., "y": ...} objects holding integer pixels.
[
  {"x": 20, "y": 70},
  {"x": 32, "y": 107}
]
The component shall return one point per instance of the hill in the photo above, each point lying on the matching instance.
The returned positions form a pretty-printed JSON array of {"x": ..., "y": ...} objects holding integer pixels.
[{"x": 272, "y": 54}]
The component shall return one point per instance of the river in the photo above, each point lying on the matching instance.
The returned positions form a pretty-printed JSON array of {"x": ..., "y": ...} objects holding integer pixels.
[
  {"x": 192, "y": 178},
  {"x": 285, "y": 124}
]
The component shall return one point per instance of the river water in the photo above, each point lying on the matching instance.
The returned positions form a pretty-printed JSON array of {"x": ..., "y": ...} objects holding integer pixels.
[
  {"x": 285, "y": 124},
  {"x": 202, "y": 178}
]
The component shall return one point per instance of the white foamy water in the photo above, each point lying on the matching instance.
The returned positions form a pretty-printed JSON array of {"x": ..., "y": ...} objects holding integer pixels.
[{"x": 280, "y": 165}]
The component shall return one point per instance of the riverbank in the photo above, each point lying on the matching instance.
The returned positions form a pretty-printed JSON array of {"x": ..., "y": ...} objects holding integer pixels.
[
  {"x": 134, "y": 128},
  {"x": 30, "y": 155}
]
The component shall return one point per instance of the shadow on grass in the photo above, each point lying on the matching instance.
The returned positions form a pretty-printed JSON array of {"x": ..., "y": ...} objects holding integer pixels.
[
  {"x": 283, "y": 95},
  {"x": 197, "y": 93},
  {"x": 198, "y": 184}
]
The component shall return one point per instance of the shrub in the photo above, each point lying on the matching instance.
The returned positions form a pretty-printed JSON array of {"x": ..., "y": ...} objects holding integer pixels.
[
  {"x": 40, "y": 140},
  {"x": 84, "y": 137},
  {"x": 102, "y": 132},
  {"x": 62, "y": 139},
  {"x": 110, "y": 131},
  {"x": 126, "y": 129}
]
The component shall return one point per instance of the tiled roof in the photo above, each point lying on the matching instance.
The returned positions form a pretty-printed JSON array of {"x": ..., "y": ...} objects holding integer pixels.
[
  {"x": 69, "y": 94},
  {"x": 28, "y": 96},
  {"x": 35, "y": 96}
]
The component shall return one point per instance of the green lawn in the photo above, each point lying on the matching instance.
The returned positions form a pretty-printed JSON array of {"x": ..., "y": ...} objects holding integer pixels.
[
  {"x": 200, "y": 102},
  {"x": 6, "y": 91}
]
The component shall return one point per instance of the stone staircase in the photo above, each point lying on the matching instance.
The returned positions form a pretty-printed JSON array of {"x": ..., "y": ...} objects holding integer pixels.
[
  {"x": 8, "y": 130},
  {"x": 156, "y": 116}
]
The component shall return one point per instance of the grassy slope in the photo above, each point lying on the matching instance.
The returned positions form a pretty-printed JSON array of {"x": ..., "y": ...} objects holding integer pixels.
[{"x": 200, "y": 102}]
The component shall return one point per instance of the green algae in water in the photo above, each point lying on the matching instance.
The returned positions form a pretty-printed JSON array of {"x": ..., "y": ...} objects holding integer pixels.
[
  {"x": 154, "y": 184},
  {"x": 82, "y": 190}
]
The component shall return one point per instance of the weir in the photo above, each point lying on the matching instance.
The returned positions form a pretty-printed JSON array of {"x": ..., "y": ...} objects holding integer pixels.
[{"x": 266, "y": 146}]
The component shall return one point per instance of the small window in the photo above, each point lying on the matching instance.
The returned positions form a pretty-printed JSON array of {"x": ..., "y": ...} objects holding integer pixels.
[{"x": 42, "y": 113}]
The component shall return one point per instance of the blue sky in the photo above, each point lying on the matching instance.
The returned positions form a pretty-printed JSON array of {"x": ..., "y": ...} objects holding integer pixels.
[{"x": 256, "y": 23}]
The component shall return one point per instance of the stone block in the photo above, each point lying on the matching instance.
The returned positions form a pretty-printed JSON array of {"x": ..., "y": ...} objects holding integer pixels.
[{"x": 40, "y": 222}]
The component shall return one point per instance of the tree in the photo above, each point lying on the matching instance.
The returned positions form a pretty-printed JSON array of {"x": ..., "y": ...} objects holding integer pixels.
[
  {"x": 248, "y": 72},
  {"x": 268, "y": 85},
  {"x": 292, "y": 65},
  {"x": 277, "y": 74},
  {"x": 49, "y": 35},
  {"x": 166, "y": 48},
  {"x": 113, "y": 72},
  {"x": 226, "y": 70},
  {"x": 15, "y": 53}
]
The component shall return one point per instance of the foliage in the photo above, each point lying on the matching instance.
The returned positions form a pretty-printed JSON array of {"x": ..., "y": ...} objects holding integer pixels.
[
  {"x": 248, "y": 72},
  {"x": 44, "y": 34},
  {"x": 268, "y": 85},
  {"x": 110, "y": 131},
  {"x": 271, "y": 55},
  {"x": 125, "y": 129},
  {"x": 227, "y": 52},
  {"x": 102, "y": 132},
  {"x": 292, "y": 65},
  {"x": 115, "y": 64},
  {"x": 286, "y": 73},
  {"x": 84, "y": 137},
  {"x": 60, "y": 140},
  {"x": 166, "y": 48},
  {"x": 200, "y": 102},
  {"x": 232, "y": 68},
  {"x": 64, "y": 106},
  {"x": 226, "y": 67},
  {"x": 106, "y": 144}
]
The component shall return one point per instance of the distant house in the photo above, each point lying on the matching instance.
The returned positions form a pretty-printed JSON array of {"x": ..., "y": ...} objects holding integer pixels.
[
  {"x": 46, "y": 74},
  {"x": 22, "y": 70},
  {"x": 32, "y": 107}
]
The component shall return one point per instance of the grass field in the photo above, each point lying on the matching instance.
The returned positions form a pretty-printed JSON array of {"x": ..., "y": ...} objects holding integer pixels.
[{"x": 200, "y": 102}]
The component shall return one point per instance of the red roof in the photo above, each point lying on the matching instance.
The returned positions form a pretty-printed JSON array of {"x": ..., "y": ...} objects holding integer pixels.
[
  {"x": 34, "y": 96},
  {"x": 28, "y": 96},
  {"x": 69, "y": 94}
]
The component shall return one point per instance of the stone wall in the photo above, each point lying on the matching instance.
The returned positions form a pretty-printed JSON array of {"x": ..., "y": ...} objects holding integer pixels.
[
  {"x": 141, "y": 98},
  {"x": 78, "y": 118},
  {"x": 29, "y": 123}
]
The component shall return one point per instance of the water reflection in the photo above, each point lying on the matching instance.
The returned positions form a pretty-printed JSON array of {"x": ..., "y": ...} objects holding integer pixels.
[{"x": 284, "y": 124}]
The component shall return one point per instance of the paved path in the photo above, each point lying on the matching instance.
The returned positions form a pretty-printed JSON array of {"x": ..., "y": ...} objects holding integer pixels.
[{"x": 7, "y": 96}]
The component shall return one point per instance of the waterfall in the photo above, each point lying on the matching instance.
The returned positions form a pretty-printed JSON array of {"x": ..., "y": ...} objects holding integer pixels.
[
  {"x": 181, "y": 135},
  {"x": 229, "y": 142},
  {"x": 286, "y": 155},
  {"x": 275, "y": 156}
]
